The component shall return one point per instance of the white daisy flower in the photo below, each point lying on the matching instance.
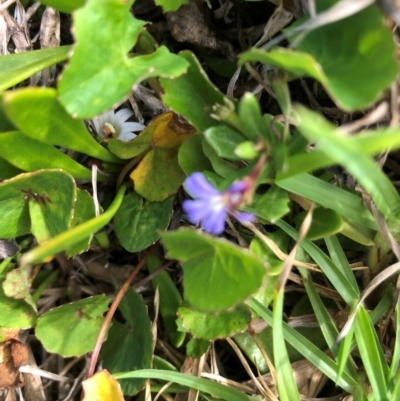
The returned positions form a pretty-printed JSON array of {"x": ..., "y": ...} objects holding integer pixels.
[{"x": 113, "y": 124}]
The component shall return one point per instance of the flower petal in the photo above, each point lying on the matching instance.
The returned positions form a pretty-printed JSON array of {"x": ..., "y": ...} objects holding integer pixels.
[
  {"x": 126, "y": 135},
  {"x": 198, "y": 187},
  {"x": 194, "y": 210},
  {"x": 133, "y": 127},
  {"x": 237, "y": 186},
  {"x": 123, "y": 114},
  {"x": 211, "y": 215},
  {"x": 244, "y": 217},
  {"x": 214, "y": 223}
]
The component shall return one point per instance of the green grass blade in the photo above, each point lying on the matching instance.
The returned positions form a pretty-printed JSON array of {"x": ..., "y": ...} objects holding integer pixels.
[
  {"x": 396, "y": 353},
  {"x": 339, "y": 259},
  {"x": 345, "y": 288},
  {"x": 326, "y": 324},
  {"x": 336, "y": 145},
  {"x": 369, "y": 142},
  {"x": 198, "y": 383},
  {"x": 325, "y": 194},
  {"x": 371, "y": 354},
  {"x": 307, "y": 348},
  {"x": 345, "y": 348},
  {"x": 284, "y": 374}
]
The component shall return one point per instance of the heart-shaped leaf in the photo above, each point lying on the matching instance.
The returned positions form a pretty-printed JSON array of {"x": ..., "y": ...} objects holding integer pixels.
[
  {"x": 137, "y": 221},
  {"x": 39, "y": 202},
  {"x": 343, "y": 56},
  {"x": 217, "y": 274},
  {"x": 75, "y": 325},
  {"x": 100, "y": 72}
]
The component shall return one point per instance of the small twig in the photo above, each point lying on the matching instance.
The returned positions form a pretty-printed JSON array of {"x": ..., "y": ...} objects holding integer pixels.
[
  {"x": 110, "y": 314},
  {"x": 6, "y": 4}
]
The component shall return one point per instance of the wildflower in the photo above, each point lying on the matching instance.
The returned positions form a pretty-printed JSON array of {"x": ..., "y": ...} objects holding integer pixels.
[
  {"x": 114, "y": 124},
  {"x": 211, "y": 207}
]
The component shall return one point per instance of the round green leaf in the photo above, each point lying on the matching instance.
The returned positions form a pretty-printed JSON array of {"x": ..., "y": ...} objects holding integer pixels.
[
  {"x": 217, "y": 274},
  {"x": 92, "y": 84},
  {"x": 137, "y": 221},
  {"x": 39, "y": 202},
  {"x": 72, "y": 329}
]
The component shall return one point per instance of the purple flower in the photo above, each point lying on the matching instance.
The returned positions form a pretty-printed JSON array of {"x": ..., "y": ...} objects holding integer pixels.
[{"x": 210, "y": 207}]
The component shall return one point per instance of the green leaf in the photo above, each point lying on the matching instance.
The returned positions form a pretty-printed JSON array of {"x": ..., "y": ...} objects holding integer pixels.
[
  {"x": 273, "y": 205},
  {"x": 216, "y": 389},
  {"x": 251, "y": 118},
  {"x": 359, "y": 47},
  {"x": 51, "y": 209},
  {"x": 343, "y": 56},
  {"x": 220, "y": 166},
  {"x": 40, "y": 202},
  {"x": 17, "y": 285},
  {"x": 217, "y": 274},
  {"x": 129, "y": 347},
  {"x": 14, "y": 68},
  {"x": 34, "y": 155},
  {"x": 333, "y": 143},
  {"x": 211, "y": 326},
  {"x": 73, "y": 236},
  {"x": 7, "y": 170},
  {"x": 191, "y": 157},
  {"x": 72, "y": 329},
  {"x": 92, "y": 84},
  {"x": 15, "y": 313},
  {"x": 171, "y": 5},
  {"x": 192, "y": 94},
  {"x": 66, "y": 6},
  {"x": 371, "y": 354},
  {"x": 170, "y": 301},
  {"x": 137, "y": 222},
  {"x": 5, "y": 123},
  {"x": 224, "y": 140},
  {"x": 39, "y": 115}
]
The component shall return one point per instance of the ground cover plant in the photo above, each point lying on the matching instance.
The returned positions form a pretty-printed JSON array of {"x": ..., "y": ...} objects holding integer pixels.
[{"x": 199, "y": 200}]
